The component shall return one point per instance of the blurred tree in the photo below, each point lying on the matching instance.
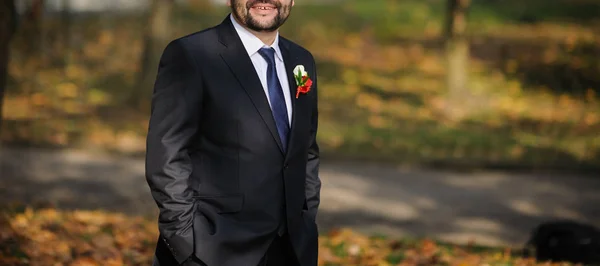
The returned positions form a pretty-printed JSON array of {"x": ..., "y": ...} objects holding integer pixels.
[
  {"x": 457, "y": 52},
  {"x": 8, "y": 22},
  {"x": 31, "y": 27},
  {"x": 66, "y": 30},
  {"x": 156, "y": 38},
  {"x": 35, "y": 9}
]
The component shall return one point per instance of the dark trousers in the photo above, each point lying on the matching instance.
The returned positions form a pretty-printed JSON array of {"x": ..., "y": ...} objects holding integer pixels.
[{"x": 280, "y": 253}]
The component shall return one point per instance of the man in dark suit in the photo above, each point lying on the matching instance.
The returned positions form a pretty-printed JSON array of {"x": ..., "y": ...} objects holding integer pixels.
[{"x": 232, "y": 158}]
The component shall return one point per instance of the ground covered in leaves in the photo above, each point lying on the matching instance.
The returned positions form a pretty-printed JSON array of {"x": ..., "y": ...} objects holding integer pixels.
[{"x": 47, "y": 236}]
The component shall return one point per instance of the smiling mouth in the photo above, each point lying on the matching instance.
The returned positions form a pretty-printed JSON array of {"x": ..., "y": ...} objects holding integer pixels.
[{"x": 264, "y": 7}]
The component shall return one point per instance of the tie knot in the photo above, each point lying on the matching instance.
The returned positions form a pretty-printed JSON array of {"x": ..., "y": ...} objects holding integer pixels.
[{"x": 268, "y": 54}]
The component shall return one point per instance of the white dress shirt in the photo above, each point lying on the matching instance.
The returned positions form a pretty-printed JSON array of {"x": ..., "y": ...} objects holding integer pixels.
[{"x": 252, "y": 45}]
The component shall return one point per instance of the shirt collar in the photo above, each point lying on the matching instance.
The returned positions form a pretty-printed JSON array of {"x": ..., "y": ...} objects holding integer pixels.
[{"x": 252, "y": 43}]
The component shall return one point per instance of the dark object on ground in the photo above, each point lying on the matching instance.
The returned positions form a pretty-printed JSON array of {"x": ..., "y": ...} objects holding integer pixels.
[
  {"x": 528, "y": 19},
  {"x": 566, "y": 241}
]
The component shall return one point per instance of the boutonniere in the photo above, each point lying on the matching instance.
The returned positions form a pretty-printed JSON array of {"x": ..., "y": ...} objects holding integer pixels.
[{"x": 302, "y": 80}]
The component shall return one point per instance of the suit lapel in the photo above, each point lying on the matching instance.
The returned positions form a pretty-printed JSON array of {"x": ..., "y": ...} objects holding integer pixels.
[
  {"x": 301, "y": 106},
  {"x": 240, "y": 64},
  {"x": 290, "y": 59}
]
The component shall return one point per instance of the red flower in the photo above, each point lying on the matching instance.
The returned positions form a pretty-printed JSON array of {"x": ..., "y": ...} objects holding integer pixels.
[{"x": 305, "y": 88}]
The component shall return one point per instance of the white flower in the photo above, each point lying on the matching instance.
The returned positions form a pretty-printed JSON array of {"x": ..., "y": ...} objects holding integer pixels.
[{"x": 299, "y": 71}]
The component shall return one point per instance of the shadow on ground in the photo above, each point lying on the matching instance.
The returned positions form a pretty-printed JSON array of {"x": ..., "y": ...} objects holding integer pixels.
[
  {"x": 491, "y": 208},
  {"x": 487, "y": 207},
  {"x": 74, "y": 180}
]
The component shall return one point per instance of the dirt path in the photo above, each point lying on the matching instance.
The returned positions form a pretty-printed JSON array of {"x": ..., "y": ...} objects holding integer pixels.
[{"x": 489, "y": 207}]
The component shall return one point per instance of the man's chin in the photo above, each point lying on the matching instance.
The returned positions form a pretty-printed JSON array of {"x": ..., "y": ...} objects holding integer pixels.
[
  {"x": 260, "y": 27},
  {"x": 266, "y": 29}
]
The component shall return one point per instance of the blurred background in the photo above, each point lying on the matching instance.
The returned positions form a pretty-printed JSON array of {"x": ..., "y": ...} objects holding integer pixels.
[{"x": 445, "y": 125}]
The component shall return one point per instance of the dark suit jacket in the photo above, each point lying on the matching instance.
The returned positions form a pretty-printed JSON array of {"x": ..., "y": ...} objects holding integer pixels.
[{"x": 214, "y": 162}]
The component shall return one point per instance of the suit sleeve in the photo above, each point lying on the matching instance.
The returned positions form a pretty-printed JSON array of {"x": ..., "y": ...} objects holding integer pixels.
[
  {"x": 174, "y": 120},
  {"x": 313, "y": 182}
]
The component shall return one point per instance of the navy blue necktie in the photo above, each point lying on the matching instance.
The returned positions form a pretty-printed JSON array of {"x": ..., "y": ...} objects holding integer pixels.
[{"x": 278, "y": 106}]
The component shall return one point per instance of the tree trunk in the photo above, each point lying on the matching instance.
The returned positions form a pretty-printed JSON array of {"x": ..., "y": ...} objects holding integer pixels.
[
  {"x": 155, "y": 39},
  {"x": 8, "y": 16},
  {"x": 32, "y": 28},
  {"x": 67, "y": 29},
  {"x": 457, "y": 52}
]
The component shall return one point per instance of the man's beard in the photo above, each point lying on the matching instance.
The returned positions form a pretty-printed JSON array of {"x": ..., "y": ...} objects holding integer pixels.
[{"x": 242, "y": 13}]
